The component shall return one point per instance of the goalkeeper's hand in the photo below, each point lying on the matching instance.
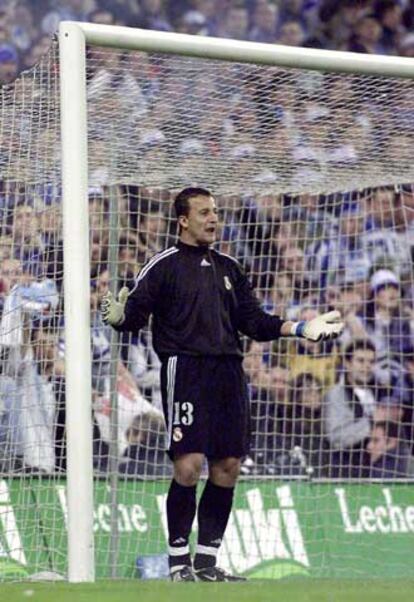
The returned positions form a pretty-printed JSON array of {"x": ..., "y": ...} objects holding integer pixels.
[
  {"x": 113, "y": 311},
  {"x": 323, "y": 327}
]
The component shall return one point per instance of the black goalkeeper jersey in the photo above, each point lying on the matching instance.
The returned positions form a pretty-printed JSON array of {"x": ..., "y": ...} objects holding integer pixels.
[{"x": 200, "y": 300}]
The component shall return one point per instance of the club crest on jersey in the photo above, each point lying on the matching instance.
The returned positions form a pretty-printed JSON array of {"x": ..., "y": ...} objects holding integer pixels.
[
  {"x": 227, "y": 283},
  {"x": 177, "y": 434}
]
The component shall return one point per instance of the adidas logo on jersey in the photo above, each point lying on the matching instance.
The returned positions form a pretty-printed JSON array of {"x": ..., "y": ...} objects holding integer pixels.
[{"x": 205, "y": 263}]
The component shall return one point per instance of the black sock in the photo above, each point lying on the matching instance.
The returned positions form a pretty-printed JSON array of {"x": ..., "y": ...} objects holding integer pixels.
[
  {"x": 181, "y": 508},
  {"x": 213, "y": 515}
]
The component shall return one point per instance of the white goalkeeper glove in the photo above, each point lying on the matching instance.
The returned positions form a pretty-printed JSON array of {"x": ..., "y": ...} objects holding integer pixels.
[
  {"x": 323, "y": 327},
  {"x": 113, "y": 311}
]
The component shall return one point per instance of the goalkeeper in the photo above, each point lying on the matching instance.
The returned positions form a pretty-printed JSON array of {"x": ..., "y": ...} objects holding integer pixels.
[{"x": 200, "y": 301}]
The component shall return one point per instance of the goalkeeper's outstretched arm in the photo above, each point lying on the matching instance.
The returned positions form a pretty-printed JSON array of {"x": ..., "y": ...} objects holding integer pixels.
[
  {"x": 259, "y": 325},
  {"x": 131, "y": 310}
]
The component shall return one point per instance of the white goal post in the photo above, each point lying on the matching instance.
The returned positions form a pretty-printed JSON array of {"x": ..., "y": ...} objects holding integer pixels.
[{"x": 73, "y": 38}]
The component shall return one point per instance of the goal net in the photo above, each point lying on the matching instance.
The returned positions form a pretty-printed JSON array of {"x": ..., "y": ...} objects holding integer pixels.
[{"x": 313, "y": 176}]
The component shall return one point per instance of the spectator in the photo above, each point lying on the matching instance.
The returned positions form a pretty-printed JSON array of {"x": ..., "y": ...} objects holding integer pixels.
[
  {"x": 366, "y": 239},
  {"x": 98, "y": 206},
  {"x": 265, "y": 23},
  {"x": 4, "y": 23},
  {"x": 137, "y": 351},
  {"x": 385, "y": 247},
  {"x": 45, "y": 355},
  {"x": 146, "y": 74},
  {"x": 315, "y": 23},
  {"x": 28, "y": 398},
  {"x": 152, "y": 16},
  {"x": 126, "y": 11},
  {"x": 341, "y": 257},
  {"x": 152, "y": 230},
  {"x": 260, "y": 219},
  {"x": 193, "y": 22},
  {"x": 131, "y": 402},
  {"x": 351, "y": 406},
  {"x": 268, "y": 393},
  {"x": 26, "y": 297},
  {"x": 117, "y": 88},
  {"x": 210, "y": 10},
  {"x": 144, "y": 365},
  {"x": 388, "y": 457},
  {"x": 265, "y": 381},
  {"x": 38, "y": 49},
  {"x": 22, "y": 26},
  {"x": 128, "y": 265},
  {"x": 349, "y": 299},
  {"x": 313, "y": 219},
  {"x": 102, "y": 16},
  {"x": 366, "y": 36},
  {"x": 292, "y": 263},
  {"x": 9, "y": 63},
  {"x": 405, "y": 393},
  {"x": 278, "y": 295},
  {"x": 388, "y": 324},
  {"x": 28, "y": 244},
  {"x": 408, "y": 15},
  {"x": 406, "y": 45},
  {"x": 291, "y": 33},
  {"x": 303, "y": 11},
  {"x": 304, "y": 448},
  {"x": 65, "y": 10},
  {"x": 98, "y": 253},
  {"x": 51, "y": 257},
  {"x": 318, "y": 145},
  {"x": 389, "y": 14},
  {"x": 404, "y": 219},
  {"x": 236, "y": 24},
  {"x": 339, "y": 19},
  {"x": 10, "y": 275},
  {"x": 144, "y": 456},
  {"x": 6, "y": 247}
]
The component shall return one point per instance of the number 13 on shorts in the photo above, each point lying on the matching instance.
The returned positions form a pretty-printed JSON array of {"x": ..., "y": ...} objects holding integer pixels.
[{"x": 183, "y": 413}]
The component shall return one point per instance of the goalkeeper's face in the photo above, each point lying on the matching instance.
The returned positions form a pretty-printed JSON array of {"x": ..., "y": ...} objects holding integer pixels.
[{"x": 199, "y": 227}]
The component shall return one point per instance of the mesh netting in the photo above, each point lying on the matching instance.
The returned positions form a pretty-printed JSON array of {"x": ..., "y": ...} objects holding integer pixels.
[
  {"x": 168, "y": 120},
  {"x": 163, "y": 120},
  {"x": 312, "y": 175}
]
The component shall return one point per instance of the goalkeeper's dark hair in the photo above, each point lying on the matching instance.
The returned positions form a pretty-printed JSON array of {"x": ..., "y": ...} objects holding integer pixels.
[{"x": 182, "y": 200}]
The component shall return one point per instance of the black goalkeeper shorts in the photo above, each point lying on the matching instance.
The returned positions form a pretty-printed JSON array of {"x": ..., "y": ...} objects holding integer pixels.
[{"x": 206, "y": 406}]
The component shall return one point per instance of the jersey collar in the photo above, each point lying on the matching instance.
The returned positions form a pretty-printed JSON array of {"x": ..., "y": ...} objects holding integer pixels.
[{"x": 199, "y": 250}]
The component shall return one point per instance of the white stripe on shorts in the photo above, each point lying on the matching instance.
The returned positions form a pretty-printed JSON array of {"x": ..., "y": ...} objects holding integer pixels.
[{"x": 171, "y": 369}]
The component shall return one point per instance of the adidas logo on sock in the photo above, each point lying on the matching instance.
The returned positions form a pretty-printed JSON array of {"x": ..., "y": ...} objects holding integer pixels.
[{"x": 178, "y": 541}]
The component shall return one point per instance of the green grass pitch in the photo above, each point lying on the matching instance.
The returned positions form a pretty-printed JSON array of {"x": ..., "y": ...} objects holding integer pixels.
[{"x": 251, "y": 591}]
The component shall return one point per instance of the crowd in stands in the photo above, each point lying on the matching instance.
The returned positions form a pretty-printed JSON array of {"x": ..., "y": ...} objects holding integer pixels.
[
  {"x": 338, "y": 409},
  {"x": 370, "y": 26},
  {"x": 344, "y": 409}
]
